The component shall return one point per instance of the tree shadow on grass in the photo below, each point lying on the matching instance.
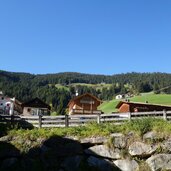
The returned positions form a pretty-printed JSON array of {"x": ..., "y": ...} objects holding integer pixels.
[{"x": 10, "y": 123}]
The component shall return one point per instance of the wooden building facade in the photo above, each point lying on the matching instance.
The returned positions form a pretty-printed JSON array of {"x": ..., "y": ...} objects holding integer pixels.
[
  {"x": 124, "y": 106},
  {"x": 84, "y": 104},
  {"x": 36, "y": 107}
]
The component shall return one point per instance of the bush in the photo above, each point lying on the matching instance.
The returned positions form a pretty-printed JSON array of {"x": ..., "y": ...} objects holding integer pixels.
[{"x": 140, "y": 126}]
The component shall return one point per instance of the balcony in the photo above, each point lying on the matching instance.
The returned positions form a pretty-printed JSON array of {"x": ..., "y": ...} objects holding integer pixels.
[{"x": 83, "y": 111}]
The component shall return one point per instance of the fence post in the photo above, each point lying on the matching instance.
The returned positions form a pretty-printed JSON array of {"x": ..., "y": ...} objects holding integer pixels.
[
  {"x": 164, "y": 115},
  {"x": 129, "y": 115},
  {"x": 12, "y": 120},
  {"x": 40, "y": 120},
  {"x": 98, "y": 118},
  {"x": 66, "y": 121}
]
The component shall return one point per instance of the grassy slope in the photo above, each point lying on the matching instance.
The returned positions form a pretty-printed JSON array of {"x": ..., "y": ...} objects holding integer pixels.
[
  {"x": 109, "y": 107},
  {"x": 154, "y": 98},
  {"x": 59, "y": 86},
  {"x": 96, "y": 86}
]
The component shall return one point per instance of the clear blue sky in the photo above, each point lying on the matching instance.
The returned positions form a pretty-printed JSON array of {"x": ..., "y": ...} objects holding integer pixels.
[{"x": 90, "y": 36}]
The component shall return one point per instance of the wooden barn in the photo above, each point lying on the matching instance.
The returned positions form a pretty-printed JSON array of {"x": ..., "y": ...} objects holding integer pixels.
[
  {"x": 124, "y": 106},
  {"x": 84, "y": 104},
  {"x": 35, "y": 107}
]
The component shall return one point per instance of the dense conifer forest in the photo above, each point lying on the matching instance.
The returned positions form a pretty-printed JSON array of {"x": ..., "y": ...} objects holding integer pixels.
[{"x": 25, "y": 86}]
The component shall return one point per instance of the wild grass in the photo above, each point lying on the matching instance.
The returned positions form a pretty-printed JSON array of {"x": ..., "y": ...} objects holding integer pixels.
[
  {"x": 26, "y": 139},
  {"x": 138, "y": 126}
]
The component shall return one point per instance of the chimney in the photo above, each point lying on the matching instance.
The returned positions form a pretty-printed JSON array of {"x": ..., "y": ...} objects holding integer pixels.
[{"x": 76, "y": 93}]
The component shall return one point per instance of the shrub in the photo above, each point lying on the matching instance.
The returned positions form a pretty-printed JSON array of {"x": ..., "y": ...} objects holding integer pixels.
[{"x": 140, "y": 126}]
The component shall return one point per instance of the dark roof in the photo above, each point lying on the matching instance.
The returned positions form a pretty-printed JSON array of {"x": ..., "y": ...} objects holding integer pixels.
[
  {"x": 139, "y": 103},
  {"x": 86, "y": 94},
  {"x": 18, "y": 102},
  {"x": 36, "y": 102}
]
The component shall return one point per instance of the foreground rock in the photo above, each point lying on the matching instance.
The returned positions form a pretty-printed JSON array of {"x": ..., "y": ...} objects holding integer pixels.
[
  {"x": 103, "y": 151},
  {"x": 72, "y": 163},
  {"x": 8, "y": 151},
  {"x": 160, "y": 162},
  {"x": 101, "y": 164},
  {"x": 127, "y": 165},
  {"x": 153, "y": 137},
  {"x": 61, "y": 147},
  {"x": 166, "y": 145},
  {"x": 141, "y": 150},
  {"x": 87, "y": 154},
  {"x": 94, "y": 140},
  {"x": 119, "y": 140}
]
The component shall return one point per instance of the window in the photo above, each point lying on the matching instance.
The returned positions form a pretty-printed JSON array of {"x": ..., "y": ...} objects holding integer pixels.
[
  {"x": 87, "y": 100},
  {"x": 2, "y": 98},
  {"x": 1, "y": 104}
]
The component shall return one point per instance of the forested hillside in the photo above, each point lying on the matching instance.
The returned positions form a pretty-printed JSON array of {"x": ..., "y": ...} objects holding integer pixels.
[{"x": 58, "y": 89}]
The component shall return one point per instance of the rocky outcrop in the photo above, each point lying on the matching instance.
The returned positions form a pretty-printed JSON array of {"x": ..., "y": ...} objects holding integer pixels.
[
  {"x": 101, "y": 164},
  {"x": 141, "y": 149},
  {"x": 103, "y": 151},
  {"x": 8, "y": 163},
  {"x": 94, "y": 140},
  {"x": 127, "y": 165},
  {"x": 153, "y": 137},
  {"x": 119, "y": 140},
  {"x": 166, "y": 146},
  {"x": 160, "y": 162},
  {"x": 116, "y": 152},
  {"x": 61, "y": 147},
  {"x": 72, "y": 163},
  {"x": 8, "y": 151}
]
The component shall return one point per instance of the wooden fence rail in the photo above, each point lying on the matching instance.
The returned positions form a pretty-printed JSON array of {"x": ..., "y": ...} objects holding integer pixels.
[{"x": 76, "y": 120}]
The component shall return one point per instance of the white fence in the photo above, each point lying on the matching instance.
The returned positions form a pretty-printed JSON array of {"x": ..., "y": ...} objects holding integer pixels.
[{"x": 76, "y": 120}]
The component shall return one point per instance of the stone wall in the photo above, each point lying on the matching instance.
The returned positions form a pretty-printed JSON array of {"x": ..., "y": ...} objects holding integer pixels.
[{"x": 116, "y": 152}]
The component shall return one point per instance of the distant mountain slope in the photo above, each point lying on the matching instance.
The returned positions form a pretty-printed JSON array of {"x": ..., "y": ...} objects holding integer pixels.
[{"x": 58, "y": 89}]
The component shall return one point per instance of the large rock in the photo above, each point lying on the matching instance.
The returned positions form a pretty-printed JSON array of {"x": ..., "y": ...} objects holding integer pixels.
[
  {"x": 6, "y": 138},
  {"x": 8, "y": 151},
  {"x": 160, "y": 162},
  {"x": 94, "y": 140},
  {"x": 166, "y": 145},
  {"x": 72, "y": 163},
  {"x": 102, "y": 164},
  {"x": 152, "y": 136},
  {"x": 61, "y": 147},
  {"x": 141, "y": 150},
  {"x": 8, "y": 163},
  {"x": 127, "y": 165},
  {"x": 119, "y": 140},
  {"x": 103, "y": 151}
]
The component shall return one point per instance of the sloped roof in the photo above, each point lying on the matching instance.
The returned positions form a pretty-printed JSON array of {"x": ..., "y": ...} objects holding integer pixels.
[
  {"x": 36, "y": 102},
  {"x": 139, "y": 103},
  {"x": 86, "y": 94}
]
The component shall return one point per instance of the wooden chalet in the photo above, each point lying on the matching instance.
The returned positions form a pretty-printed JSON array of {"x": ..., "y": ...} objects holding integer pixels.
[
  {"x": 84, "y": 104},
  {"x": 125, "y": 106},
  {"x": 36, "y": 107}
]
